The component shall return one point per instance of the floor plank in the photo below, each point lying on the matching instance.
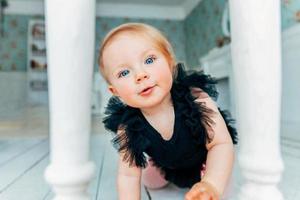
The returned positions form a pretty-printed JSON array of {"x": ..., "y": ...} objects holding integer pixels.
[
  {"x": 17, "y": 168},
  {"x": 98, "y": 145},
  {"x": 23, "y": 161},
  {"x": 107, "y": 178},
  {"x": 16, "y": 148},
  {"x": 31, "y": 185},
  {"x": 170, "y": 192}
]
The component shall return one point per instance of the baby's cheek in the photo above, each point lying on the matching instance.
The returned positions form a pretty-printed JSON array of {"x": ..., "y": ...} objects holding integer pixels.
[
  {"x": 167, "y": 76},
  {"x": 126, "y": 93},
  {"x": 167, "y": 82}
]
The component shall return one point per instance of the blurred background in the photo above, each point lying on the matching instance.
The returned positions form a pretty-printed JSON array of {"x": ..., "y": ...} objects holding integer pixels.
[{"x": 199, "y": 31}]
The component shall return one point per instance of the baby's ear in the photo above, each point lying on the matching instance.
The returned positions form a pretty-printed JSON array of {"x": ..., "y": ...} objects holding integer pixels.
[{"x": 113, "y": 90}]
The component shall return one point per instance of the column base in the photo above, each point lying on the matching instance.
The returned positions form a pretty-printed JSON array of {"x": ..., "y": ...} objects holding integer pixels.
[
  {"x": 254, "y": 191},
  {"x": 72, "y": 197},
  {"x": 70, "y": 182}
]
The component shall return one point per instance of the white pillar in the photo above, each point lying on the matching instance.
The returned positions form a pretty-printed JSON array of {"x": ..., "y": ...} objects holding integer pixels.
[
  {"x": 256, "y": 57},
  {"x": 70, "y": 32}
]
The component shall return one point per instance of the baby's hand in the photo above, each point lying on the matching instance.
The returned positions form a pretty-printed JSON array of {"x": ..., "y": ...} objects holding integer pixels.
[{"x": 202, "y": 191}]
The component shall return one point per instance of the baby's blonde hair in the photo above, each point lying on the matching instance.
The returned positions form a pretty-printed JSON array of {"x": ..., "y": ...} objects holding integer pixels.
[{"x": 160, "y": 42}]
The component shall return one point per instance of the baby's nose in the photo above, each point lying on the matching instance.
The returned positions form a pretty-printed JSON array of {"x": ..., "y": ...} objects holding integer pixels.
[{"x": 141, "y": 76}]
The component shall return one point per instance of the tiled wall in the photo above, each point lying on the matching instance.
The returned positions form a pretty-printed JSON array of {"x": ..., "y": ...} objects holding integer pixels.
[
  {"x": 191, "y": 38},
  {"x": 290, "y": 13},
  {"x": 13, "y": 46},
  {"x": 203, "y": 26}
]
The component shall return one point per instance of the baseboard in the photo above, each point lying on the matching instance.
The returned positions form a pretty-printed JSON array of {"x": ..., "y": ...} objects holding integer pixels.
[{"x": 290, "y": 129}]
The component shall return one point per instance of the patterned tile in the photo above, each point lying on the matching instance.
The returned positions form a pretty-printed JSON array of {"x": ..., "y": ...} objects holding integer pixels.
[{"x": 192, "y": 37}]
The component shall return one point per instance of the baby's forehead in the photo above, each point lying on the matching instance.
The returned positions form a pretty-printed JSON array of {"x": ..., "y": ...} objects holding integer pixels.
[
  {"x": 132, "y": 37},
  {"x": 130, "y": 43}
]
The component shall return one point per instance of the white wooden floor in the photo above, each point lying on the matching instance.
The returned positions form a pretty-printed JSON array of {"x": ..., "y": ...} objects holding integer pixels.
[
  {"x": 23, "y": 161},
  {"x": 24, "y": 155}
]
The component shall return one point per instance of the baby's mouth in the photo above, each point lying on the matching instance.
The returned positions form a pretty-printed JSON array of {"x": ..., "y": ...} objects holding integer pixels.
[{"x": 146, "y": 89}]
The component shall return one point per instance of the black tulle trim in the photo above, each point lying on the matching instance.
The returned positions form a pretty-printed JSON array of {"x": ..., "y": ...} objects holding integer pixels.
[
  {"x": 195, "y": 112},
  {"x": 198, "y": 79},
  {"x": 131, "y": 140},
  {"x": 229, "y": 123},
  {"x": 195, "y": 115}
]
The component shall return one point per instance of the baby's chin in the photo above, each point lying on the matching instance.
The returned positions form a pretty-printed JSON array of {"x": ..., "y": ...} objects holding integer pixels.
[
  {"x": 145, "y": 104},
  {"x": 141, "y": 102},
  {"x": 148, "y": 104}
]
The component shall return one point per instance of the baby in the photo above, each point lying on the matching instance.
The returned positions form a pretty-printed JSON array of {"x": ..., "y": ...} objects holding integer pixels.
[{"x": 166, "y": 125}]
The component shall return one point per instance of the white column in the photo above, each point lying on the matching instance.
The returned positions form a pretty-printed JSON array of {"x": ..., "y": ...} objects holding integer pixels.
[
  {"x": 256, "y": 57},
  {"x": 70, "y": 31}
]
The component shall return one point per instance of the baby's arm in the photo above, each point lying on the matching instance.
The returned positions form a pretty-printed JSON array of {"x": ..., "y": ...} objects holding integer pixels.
[
  {"x": 220, "y": 155},
  {"x": 128, "y": 180}
]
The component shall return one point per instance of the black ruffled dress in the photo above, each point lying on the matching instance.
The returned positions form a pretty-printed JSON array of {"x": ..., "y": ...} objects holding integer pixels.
[{"x": 181, "y": 157}]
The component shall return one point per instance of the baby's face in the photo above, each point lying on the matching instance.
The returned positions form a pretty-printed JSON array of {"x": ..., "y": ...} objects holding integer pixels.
[{"x": 138, "y": 73}]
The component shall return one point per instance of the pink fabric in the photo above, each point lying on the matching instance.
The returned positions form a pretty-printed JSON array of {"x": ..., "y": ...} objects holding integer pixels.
[
  {"x": 152, "y": 177},
  {"x": 202, "y": 171}
]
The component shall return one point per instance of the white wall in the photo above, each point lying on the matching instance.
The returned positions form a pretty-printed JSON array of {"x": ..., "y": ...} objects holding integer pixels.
[
  {"x": 291, "y": 81},
  {"x": 218, "y": 63},
  {"x": 224, "y": 94},
  {"x": 13, "y": 92}
]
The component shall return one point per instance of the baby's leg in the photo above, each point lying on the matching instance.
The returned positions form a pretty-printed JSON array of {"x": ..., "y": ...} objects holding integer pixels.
[{"x": 152, "y": 178}]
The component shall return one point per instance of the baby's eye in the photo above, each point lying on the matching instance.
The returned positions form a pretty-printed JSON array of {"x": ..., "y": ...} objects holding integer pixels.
[
  {"x": 123, "y": 73},
  {"x": 150, "y": 60}
]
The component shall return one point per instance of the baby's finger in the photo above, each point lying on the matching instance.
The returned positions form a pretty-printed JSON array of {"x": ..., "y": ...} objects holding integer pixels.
[
  {"x": 198, "y": 195},
  {"x": 193, "y": 194},
  {"x": 205, "y": 196},
  {"x": 190, "y": 195}
]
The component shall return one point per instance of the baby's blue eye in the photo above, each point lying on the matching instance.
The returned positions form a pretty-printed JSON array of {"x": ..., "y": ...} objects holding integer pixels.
[
  {"x": 149, "y": 60},
  {"x": 123, "y": 73}
]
